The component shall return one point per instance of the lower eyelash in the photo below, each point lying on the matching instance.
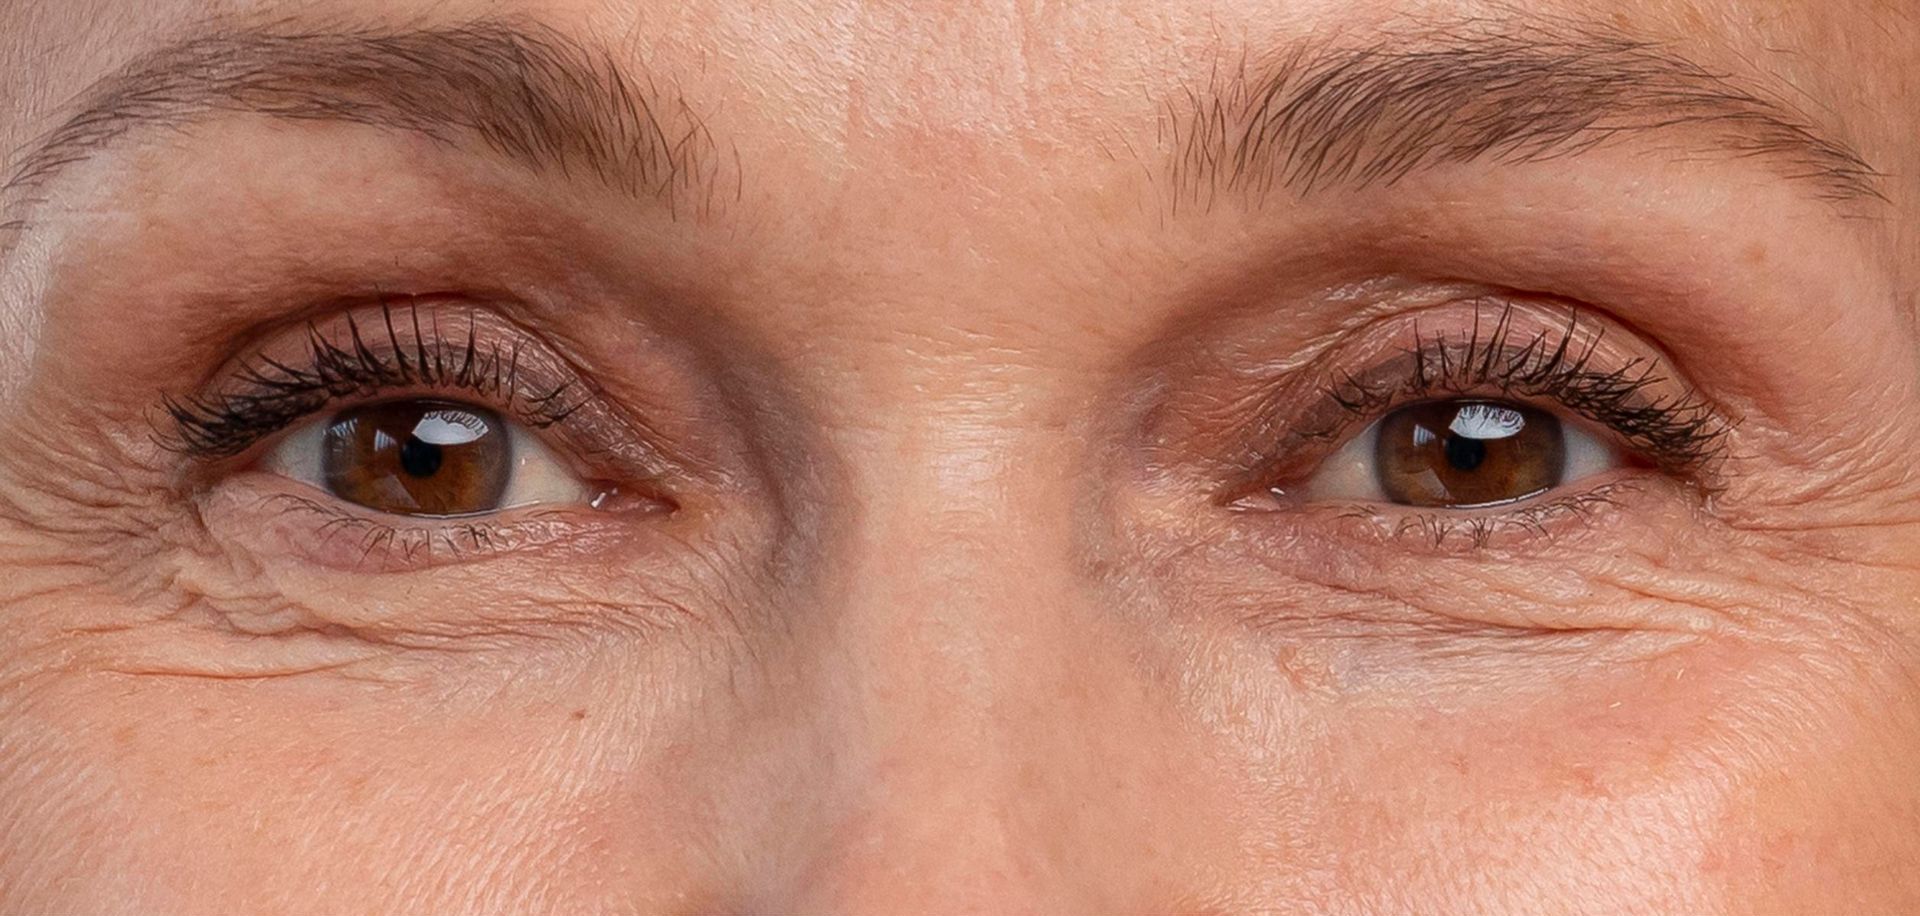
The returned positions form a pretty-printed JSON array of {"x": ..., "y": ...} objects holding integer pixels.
[
  {"x": 1540, "y": 519},
  {"x": 375, "y": 544},
  {"x": 271, "y": 395}
]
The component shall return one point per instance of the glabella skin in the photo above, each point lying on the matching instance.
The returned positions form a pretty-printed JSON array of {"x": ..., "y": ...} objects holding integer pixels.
[{"x": 713, "y": 456}]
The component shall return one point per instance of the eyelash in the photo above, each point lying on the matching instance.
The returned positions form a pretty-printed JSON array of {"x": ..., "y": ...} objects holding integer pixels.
[
  {"x": 385, "y": 544},
  {"x": 1681, "y": 433},
  {"x": 1537, "y": 519},
  {"x": 1671, "y": 427},
  {"x": 274, "y": 395},
  {"x": 402, "y": 348}
]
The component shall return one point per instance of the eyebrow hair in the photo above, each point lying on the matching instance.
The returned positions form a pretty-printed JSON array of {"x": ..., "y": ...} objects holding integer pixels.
[
  {"x": 1358, "y": 116},
  {"x": 528, "y": 93}
]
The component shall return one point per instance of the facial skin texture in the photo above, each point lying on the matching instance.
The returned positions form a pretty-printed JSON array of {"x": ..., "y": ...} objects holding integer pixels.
[{"x": 933, "y": 350}]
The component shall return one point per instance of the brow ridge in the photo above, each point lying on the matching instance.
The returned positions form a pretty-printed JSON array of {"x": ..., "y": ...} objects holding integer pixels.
[
  {"x": 1356, "y": 115},
  {"x": 525, "y": 91}
]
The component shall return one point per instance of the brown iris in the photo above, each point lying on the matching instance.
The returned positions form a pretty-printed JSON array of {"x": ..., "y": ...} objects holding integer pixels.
[
  {"x": 1461, "y": 453},
  {"x": 418, "y": 458}
]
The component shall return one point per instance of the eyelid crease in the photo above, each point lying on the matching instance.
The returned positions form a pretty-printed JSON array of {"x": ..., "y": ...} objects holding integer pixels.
[
  {"x": 268, "y": 392},
  {"x": 1682, "y": 431},
  {"x": 1566, "y": 361}
]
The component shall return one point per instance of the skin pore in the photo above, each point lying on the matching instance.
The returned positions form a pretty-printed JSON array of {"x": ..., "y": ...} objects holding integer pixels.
[{"x": 936, "y": 483}]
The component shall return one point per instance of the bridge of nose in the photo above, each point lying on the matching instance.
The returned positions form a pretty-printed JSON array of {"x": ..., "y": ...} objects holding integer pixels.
[{"x": 984, "y": 732}]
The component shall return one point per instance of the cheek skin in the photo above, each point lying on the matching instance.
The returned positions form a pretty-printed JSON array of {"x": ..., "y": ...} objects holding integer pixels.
[
  {"x": 143, "y": 725},
  {"x": 1667, "y": 801},
  {"x": 320, "y": 794},
  {"x": 1735, "y": 733},
  {"x": 1711, "y": 780}
]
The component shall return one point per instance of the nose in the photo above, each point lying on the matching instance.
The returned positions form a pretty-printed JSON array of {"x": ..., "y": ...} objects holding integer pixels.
[{"x": 984, "y": 728}]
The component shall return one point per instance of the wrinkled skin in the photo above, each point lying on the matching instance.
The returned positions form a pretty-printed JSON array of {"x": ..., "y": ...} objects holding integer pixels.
[{"x": 950, "y": 616}]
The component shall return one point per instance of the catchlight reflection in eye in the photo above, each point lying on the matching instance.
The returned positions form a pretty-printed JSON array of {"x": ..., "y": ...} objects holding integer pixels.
[
  {"x": 1460, "y": 454},
  {"x": 427, "y": 458}
]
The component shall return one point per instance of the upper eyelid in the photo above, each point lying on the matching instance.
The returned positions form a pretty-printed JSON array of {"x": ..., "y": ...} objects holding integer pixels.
[
  {"x": 265, "y": 391},
  {"x": 1301, "y": 416},
  {"x": 1685, "y": 430}
]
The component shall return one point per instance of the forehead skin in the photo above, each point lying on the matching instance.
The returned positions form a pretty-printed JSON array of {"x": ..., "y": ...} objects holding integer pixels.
[
  {"x": 836, "y": 113},
  {"x": 887, "y": 80},
  {"x": 852, "y": 122}
]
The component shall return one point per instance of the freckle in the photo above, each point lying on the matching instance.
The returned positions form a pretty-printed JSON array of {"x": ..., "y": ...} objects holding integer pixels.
[
  {"x": 123, "y": 734},
  {"x": 579, "y": 714}
]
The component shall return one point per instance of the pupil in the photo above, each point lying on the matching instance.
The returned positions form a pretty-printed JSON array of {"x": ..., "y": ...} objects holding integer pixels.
[
  {"x": 420, "y": 459},
  {"x": 1465, "y": 454}
]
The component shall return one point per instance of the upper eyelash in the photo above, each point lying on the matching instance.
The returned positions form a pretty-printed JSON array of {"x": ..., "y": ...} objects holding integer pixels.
[
  {"x": 1680, "y": 432},
  {"x": 273, "y": 395}
]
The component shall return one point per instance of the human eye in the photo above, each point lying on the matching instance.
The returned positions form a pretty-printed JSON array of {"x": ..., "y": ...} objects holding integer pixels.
[
  {"x": 426, "y": 458},
  {"x": 1464, "y": 453},
  {"x": 405, "y": 435},
  {"x": 1492, "y": 421}
]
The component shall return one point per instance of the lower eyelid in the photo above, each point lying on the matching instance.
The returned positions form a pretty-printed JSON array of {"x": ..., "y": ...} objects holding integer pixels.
[
  {"x": 1549, "y": 519},
  {"x": 352, "y": 576},
  {"x": 306, "y": 525}
]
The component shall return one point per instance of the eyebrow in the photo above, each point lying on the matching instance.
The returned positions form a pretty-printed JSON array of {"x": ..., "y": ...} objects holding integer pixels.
[
  {"x": 526, "y": 92},
  {"x": 1374, "y": 114}
]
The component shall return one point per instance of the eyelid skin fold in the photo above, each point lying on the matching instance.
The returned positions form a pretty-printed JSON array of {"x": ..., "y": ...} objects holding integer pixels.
[
  {"x": 234, "y": 434},
  {"x": 1242, "y": 420},
  {"x": 430, "y": 346},
  {"x": 1551, "y": 354},
  {"x": 410, "y": 346}
]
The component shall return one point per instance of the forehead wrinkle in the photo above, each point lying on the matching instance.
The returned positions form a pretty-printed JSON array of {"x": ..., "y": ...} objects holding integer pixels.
[
  {"x": 1320, "y": 115},
  {"x": 528, "y": 93}
]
